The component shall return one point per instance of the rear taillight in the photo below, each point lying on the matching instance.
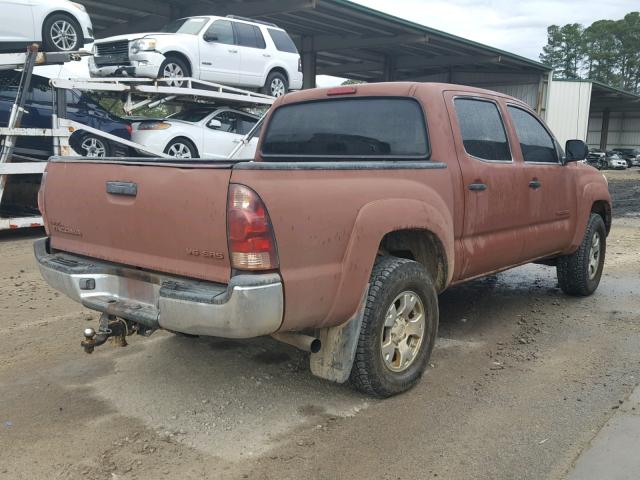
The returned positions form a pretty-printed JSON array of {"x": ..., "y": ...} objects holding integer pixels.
[
  {"x": 129, "y": 128},
  {"x": 300, "y": 64},
  {"x": 41, "y": 201},
  {"x": 252, "y": 245}
]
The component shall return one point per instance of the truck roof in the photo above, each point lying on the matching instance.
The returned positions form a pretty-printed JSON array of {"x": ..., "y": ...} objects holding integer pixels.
[{"x": 394, "y": 89}]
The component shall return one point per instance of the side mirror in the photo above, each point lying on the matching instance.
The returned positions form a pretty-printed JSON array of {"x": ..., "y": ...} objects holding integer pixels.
[
  {"x": 210, "y": 37},
  {"x": 217, "y": 124},
  {"x": 576, "y": 150}
]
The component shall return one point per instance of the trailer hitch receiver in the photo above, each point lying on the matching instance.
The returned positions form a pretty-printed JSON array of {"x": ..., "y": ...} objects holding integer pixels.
[{"x": 110, "y": 326}]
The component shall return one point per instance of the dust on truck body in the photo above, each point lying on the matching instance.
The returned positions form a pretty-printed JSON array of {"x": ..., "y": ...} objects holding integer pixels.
[{"x": 363, "y": 203}]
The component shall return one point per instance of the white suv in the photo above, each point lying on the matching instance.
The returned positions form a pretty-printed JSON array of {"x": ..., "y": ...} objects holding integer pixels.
[{"x": 229, "y": 50}]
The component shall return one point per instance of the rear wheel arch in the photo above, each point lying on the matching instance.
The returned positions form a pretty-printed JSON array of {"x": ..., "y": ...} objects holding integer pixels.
[
  {"x": 420, "y": 245},
  {"x": 376, "y": 223},
  {"x": 281, "y": 70}
]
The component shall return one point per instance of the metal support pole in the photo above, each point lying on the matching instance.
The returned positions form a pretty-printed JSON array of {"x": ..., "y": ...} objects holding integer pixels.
[
  {"x": 604, "y": 132},
  {"x": 309, "y": 69},
  {"x": 59, "y": 112},
  {"x": 9, "y": 141},
  {"x": 389, "y": 68}
]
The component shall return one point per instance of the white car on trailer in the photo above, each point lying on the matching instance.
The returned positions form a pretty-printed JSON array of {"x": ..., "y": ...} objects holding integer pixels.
[
  {"x": 60, "y": 25},
  {"x": 229, "y": 50},
  {"x": 206, "y": 132}
]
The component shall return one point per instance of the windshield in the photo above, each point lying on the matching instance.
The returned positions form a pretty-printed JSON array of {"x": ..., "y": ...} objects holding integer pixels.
[
  {"x": 358, "y": 127},
  {"x": 191, "y": 25},
  {"x": 191, "y": 115}
]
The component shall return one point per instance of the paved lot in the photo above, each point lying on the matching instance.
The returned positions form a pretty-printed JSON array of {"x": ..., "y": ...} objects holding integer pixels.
[{"x": 522, "y": 380}]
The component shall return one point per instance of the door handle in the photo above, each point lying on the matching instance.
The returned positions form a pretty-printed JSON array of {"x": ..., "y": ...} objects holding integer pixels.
[
  {"x": 477, "y": 187},
  {"x": 129, "y": 189},
  {"x": 535, "y": 184},
  {"x": 266, "y": 55},
  {"x": 231, "y": 50}
]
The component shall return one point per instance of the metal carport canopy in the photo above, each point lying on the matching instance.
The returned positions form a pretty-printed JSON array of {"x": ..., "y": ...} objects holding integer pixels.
[{"x": 335, "y": 37}]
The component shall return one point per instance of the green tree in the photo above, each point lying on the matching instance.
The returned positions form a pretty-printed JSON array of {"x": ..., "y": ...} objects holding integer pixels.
[
  {"x": 607, "y": 51},
  {"x": 564, "y": 50},
  {"x": 601, "y": 51}
]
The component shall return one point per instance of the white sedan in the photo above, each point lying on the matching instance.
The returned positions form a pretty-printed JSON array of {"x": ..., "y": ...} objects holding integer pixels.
[
  {"x": 198, "y": 132},
  {"x": 59, "y": 25}
]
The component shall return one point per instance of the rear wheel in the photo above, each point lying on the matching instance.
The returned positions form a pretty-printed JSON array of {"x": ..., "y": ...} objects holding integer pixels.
[
  {"x": 181, "y": 148},
  {"x": 174, "y": 69},
  {"x": 276, "y": 85},
  {"x": 398, "y": 329},
  {"x": 579, "y": 273},
  {"x": 61, "y": 33}
]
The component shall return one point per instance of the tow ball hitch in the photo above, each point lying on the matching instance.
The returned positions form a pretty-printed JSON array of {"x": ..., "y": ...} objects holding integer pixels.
[{"x": 110, "y": 326}]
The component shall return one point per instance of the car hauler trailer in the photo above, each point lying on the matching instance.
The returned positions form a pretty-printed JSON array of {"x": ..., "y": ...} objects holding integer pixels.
[{"x": 19, "y": 209}]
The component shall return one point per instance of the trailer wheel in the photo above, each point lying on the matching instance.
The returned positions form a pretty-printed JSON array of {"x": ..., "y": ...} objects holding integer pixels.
[
  {"x": 181, "y": 148},
  {"x": 398, "y": 330},
  {"x": 61, "y": 33}
]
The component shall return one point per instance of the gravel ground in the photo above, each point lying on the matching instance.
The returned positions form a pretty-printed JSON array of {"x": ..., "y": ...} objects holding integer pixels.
[{"x": 521, "y": 380}]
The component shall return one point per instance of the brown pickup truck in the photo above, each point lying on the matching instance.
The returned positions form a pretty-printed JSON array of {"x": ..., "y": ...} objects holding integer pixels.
[{"x": 363, "y": 203}]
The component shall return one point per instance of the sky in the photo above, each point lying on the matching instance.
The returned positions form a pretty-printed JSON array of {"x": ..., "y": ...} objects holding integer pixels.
[{"x": 513, "y": 25}]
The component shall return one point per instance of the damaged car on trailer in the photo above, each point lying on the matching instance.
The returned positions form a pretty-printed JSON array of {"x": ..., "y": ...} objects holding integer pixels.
[{"x": 362, "y": 205}]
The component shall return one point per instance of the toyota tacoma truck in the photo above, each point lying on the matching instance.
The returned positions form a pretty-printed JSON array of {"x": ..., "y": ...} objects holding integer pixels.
[{"x": 362, "y": 204}]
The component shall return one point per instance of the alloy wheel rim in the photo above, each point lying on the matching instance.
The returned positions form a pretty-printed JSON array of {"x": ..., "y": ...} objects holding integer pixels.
[
  {"x": 173, "y": 71},
  {"x": 403, "y": 331},
  {"x": 594, "y": 255},
  {"x": 277, "y": 88},
  {"x": 63, "y": 35},
  {"x": 93, "y": 147},
  {"x": 179, "y": 150}
]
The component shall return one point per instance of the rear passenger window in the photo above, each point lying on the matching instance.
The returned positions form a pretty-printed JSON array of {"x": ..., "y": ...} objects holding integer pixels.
[
  {"x": 282, "y": 41},
  {"x": 536, "y": 143},
  {"x": 249, "y": 36},
  {"x": 482, "y": 129}
]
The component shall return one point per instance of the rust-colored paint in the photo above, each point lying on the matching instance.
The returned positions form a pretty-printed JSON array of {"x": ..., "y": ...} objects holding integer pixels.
[
  {"x": 329, "y": 223},
  {"x": 175, "y": 209}
]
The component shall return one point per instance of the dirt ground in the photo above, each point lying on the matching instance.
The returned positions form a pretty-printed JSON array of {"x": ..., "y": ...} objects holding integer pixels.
[{"x": 521, "y": 380}]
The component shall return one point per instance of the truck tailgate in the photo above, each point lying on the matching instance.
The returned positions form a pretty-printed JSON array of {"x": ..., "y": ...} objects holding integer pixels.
[{"x": 165, "y": 217}]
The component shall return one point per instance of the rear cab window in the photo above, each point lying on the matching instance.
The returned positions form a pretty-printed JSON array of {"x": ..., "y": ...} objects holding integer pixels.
[
  {"x": 359, "y": 128},
  {"x": 282, "y": 41}
]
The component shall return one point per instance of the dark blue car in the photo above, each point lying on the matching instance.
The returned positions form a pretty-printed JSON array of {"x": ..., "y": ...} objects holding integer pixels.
[{"x": 80, "y": 108}]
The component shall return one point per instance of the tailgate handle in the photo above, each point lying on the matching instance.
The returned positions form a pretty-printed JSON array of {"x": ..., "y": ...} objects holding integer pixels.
[{"x": 122, "y": 188}]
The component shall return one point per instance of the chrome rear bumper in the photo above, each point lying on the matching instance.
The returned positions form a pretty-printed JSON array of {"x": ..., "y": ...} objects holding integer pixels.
[{"x": 249, "y": 306}]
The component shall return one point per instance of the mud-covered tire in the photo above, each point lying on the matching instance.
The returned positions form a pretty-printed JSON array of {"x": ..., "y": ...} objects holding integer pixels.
[
  {"x": 390, "y": 278},
  {"x": 578, "y": 274}
]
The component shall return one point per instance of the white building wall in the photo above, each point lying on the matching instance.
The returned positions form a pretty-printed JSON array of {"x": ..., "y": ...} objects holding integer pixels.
[{"x": 568, "y": 109}]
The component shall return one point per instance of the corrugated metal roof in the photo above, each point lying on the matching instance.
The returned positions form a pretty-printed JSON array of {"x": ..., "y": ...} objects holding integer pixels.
[{"x": 349, "y": 39}]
